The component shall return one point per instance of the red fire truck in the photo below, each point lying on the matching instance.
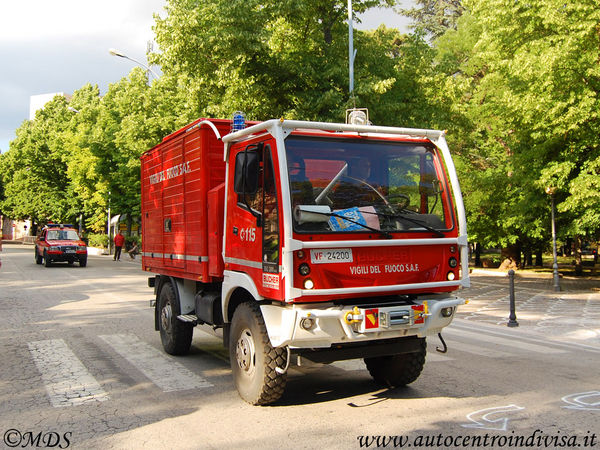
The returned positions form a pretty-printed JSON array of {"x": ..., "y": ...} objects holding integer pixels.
[{"x": 304, "y": 240}]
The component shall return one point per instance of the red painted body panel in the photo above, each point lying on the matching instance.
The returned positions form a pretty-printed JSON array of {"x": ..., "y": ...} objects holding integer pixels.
[{"x": 177, "y": 176}]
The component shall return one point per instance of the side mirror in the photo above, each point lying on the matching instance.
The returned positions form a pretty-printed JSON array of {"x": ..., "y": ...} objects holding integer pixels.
[{"x": 247, "y": 165}]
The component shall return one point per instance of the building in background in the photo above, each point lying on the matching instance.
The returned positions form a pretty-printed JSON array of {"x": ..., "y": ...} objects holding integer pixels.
[
  {"x": 14, "y": 229},
  {"x": 37, "y": 102}
]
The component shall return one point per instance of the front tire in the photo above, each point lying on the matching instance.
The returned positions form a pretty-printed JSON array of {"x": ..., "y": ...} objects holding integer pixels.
[
  {"x": 397, "y": 370},
  {"x": 38, "y": 257},
  {"x": 176, "y": 336},
  {"x": 47, "y": 261},
  {"x": 253, "y": 360}
]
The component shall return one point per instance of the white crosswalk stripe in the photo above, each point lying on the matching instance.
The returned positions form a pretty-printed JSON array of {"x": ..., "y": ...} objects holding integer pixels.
[
  {"x": 167, "y": 374},
  {"x": 67, "y": 381},
  {"x": 501, "y": 341}
]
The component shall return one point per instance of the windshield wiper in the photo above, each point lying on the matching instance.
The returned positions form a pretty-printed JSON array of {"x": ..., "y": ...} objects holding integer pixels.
[
  {"x": 367, "y": 227},
  {"x": 332, "y": 214},
  {"x": 438, "y": 233}
]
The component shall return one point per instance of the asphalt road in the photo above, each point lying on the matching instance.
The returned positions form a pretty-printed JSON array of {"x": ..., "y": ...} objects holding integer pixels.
[{"x": 82, "y": 367}]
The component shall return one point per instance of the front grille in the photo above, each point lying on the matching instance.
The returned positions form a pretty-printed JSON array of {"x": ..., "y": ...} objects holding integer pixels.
[{"x": 65, "y": 248}]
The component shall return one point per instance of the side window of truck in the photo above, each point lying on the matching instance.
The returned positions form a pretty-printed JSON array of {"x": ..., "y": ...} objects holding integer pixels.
[
  {"x": 270, "y": 212},
  {"x": 253, "y": 200}
]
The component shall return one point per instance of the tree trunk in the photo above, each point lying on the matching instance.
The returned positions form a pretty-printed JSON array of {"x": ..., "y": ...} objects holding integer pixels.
[
  {"x": 578, "y": 258},
  {"x": 539, "y": 261},
  {"x": 129, "y": 222},
  {"x": 477, "y": 255}
]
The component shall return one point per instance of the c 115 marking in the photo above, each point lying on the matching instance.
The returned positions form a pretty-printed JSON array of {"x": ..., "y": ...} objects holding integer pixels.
[{"x": 248, "y": 234}]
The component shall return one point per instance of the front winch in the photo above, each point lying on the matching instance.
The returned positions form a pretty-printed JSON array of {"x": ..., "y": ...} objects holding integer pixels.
[{"x": 365, "y": 320}]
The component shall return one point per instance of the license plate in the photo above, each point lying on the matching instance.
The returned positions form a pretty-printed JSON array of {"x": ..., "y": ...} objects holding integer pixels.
[
  {"x": 331, "y": 255},
  {"x": 70, "y": 251}
]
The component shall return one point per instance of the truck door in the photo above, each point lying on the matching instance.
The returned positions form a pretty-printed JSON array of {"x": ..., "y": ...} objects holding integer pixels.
[{"x": 253, "y": 243}]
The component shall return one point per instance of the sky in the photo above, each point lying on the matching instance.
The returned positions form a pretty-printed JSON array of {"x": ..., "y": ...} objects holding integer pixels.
[{"x": 61, "y": 45}]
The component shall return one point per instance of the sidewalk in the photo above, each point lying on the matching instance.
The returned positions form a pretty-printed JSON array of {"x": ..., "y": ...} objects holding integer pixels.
[{"x": 573, "y": 313}]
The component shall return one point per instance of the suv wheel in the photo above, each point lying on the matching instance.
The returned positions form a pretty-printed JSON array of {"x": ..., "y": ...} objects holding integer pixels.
[{"x": 47, "y": 261}]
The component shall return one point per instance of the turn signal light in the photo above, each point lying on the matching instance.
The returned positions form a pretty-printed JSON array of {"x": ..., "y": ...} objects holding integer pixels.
[
  {"x": 308, "y": 284},
  {"x": 450, "y": 276}
]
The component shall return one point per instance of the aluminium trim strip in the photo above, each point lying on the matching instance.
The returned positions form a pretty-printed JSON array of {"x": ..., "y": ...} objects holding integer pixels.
[
  {"x": 194, "y": 258},
  {"x": 370, "y": 289},
  {"x": 297, "y": 245},
  {"x": 247, "y": 263}
]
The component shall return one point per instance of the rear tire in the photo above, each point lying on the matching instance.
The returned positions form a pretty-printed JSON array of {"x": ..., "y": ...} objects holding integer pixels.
[
  {"x": 397, "y": 370},
  {"x": 253, "y": 359},
  {"x": 176, "y": 336},
  {"x": 83, "y": 262}
]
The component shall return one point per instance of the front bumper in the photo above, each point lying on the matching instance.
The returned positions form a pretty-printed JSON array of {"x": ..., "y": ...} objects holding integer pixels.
[
  {"x": 314, "y": 326},
  {"x": 61, "y": 256}
]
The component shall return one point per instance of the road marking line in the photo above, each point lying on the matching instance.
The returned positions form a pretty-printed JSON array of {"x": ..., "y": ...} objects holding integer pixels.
[
  {"x": 67, "y": 381},
  {"x": 481, "y": 351},
  {"x": 167, "y": 374},
  {"x": 433, "y": 356},
  {"x": 519, "y": 344}
]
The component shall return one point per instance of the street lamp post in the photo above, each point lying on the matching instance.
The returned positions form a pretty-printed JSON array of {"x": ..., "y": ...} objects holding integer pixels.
[
  {"x": 108, "y": 223},
  {"x": 115, "y": 52},
  {"x": 551, "y": 191}
]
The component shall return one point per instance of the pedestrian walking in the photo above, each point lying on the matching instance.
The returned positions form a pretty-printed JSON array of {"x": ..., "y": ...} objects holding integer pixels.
[{"x": 119, "y": 240}]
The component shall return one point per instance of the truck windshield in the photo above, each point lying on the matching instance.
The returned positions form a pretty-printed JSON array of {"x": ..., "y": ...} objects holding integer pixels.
[{"x": 354, "y": 185}]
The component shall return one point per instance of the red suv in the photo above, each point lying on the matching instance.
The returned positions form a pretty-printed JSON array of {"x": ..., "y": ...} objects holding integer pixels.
[{"x": 60, "y": 242}]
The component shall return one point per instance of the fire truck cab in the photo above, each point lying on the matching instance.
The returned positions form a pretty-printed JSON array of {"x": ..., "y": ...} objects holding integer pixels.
[{"x": 316, "y": 240}]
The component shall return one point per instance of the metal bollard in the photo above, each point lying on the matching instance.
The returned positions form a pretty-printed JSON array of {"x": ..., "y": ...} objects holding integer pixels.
[{"x": 512, "y": 318}]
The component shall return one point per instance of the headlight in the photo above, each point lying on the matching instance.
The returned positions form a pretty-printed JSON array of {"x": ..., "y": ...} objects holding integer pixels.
[
  {"x": 447, "y": 312},
  {"x": 308, "y": 284},
  {"x": 54, "y": 249}
]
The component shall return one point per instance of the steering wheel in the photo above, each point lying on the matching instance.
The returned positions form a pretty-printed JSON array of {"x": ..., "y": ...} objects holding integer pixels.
[
  {"x": 364, "y": 183},
  {"x": 401, "y": 201}
]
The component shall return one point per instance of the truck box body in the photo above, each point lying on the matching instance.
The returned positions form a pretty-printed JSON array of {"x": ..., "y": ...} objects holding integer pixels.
[{"x": 181, "y": 233}]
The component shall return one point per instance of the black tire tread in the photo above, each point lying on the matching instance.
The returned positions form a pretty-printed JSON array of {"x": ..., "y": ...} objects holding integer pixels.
[
  {"x": 273, "y": 384},
  {"x": 181, "y": 340},
  {"x": 398, "y": 370}
]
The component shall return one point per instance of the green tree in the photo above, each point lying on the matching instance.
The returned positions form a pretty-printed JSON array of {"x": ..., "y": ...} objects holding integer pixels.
[
  {"x": 434, "y": 17},
  {"x": 268, "y": 59},
  {"x": 34, "y": 169},
  {"x": 530, "y": 79}
]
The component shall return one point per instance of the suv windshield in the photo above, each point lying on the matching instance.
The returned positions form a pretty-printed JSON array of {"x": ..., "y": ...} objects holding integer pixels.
[
  {"x": 62, "y": 235},
  {"x": 343, "y": 185}
]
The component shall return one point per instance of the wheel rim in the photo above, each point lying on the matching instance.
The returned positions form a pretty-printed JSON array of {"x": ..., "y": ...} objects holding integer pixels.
[
  {"x": 245, "y": 352},
  {"x": 165, "y": 317}
]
